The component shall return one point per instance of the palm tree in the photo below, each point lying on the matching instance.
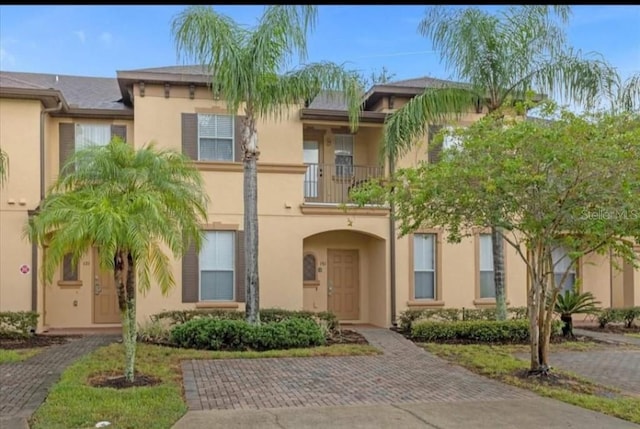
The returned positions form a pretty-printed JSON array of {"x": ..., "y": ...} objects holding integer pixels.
[
  {"x": 501, "y": 58},
  {"x": 4, "y": 167},
  {"x": 128, "y": 204},
  {"x": 629, "y": 94},
  {"x": 246, "y": 67}
]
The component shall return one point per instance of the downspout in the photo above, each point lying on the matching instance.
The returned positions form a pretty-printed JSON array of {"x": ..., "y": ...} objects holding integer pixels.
[
  {"x": 34, "y": 246},
  {"x": 392, "y": 249}
]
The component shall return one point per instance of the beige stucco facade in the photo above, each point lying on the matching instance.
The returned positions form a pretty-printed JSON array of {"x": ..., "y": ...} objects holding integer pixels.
[{"x": 350, "y": 247}]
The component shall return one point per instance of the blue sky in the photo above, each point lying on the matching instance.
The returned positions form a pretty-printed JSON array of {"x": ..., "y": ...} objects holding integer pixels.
[{"x": 98, "y": 40}]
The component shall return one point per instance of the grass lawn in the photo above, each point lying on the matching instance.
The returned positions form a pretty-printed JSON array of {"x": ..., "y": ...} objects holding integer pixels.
[
  {"x": 498, "y": 362},
  {"x": 8, "y": 356},
  {"x": 72, "y": 403}
]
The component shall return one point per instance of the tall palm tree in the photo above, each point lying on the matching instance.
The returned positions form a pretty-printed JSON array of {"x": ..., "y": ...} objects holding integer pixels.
[
  {"x": 4, "y": 167},
  {"x": 247, "y": 69},
  {"x": 128, "y": 204},
  {"x": 628, "y": 97},
  {"x": 500, "y": 58}
]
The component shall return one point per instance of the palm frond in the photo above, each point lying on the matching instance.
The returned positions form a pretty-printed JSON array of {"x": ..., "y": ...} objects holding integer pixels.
[
  {"x": 219, "y": 43},
  {"x": 434, "y": 106},
  {"x": 117, "y": 198},
  {"x": 4, "y": 167},
  {"x": 572, "y": 302},
  {"x": 629, "y": 98},
  {"x": 305, "y": 83}
]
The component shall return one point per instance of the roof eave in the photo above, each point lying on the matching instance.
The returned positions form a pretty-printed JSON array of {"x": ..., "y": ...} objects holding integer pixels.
[
  {"x": 340, "y": 115},
  {"x": 96, "y": 113},
  {"x": 48, "y": 97}
]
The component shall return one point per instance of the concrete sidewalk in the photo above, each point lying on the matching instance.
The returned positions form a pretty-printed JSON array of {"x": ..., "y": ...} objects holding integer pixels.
[{"x": 535, "y": 413}]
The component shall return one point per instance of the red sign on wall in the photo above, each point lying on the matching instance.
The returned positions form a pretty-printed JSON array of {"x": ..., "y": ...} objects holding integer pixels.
[{"x": 24, "y": 269}]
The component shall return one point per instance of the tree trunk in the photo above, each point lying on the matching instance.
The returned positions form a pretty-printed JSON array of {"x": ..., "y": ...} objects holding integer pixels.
[
  {"x": 252, "y": 283},
  {"x": 497, "y": 243},
  {"x": 125, "y": 281},
  {"x": 534, "y": 331},
  {"x": 567, "y": 328}
]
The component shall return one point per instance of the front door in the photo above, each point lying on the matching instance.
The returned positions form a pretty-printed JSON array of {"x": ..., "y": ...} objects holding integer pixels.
[
  {"x": 343, "y": 287},
  {"x": 105, "y": 296}
]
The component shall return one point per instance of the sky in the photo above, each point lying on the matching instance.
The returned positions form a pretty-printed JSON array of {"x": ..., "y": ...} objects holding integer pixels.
[{"x": 100, "y": 40}]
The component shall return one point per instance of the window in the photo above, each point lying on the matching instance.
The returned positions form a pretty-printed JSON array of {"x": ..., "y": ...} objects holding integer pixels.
[
  {"x": 562, "y": 264},
  {"x": 217, "y": 266},
  {"x": 309, "y": 267},
  {"x": 344, "y": 155},
  {"x": 424, "y": 263},
  {"x": 69, "y": 269},
  {"x": 215, "y": 137},
  {"x": 487, "y": 283},
  {"x": 92, "y": 135}
]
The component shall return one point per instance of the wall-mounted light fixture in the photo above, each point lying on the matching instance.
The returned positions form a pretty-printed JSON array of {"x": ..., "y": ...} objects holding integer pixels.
[{"x": 141, "y": 89}]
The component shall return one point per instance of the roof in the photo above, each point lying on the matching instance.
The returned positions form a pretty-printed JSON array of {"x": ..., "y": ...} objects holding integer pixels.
[
  {"x": 197, "y": 70},
  {"x": 81, "y": 92},
  {"x": 424, "y": 82}
]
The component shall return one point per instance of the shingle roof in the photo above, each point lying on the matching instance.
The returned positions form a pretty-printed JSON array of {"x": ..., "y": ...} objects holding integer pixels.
[
  {"x": 188, "y": 69},
  {"x": 424, "y": 82},
  {"x": 79, "y": 91}
]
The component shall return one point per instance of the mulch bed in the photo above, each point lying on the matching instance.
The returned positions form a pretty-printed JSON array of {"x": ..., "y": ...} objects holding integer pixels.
[
  {"x": 119, "y": 382},
  {"x": 347, "y": 336},
  {"x": 35, "y": 341},
  {"x": 613, "y": 329}
]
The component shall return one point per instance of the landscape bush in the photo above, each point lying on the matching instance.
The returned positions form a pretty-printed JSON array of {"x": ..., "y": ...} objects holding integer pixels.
[
  {"x": 18, "y": 324},
  {"x": 409, "y": 317},
  {"x": 480, "y": 331}
]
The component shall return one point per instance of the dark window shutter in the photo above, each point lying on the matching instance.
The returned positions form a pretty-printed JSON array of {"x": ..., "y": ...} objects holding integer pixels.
[
  {"x": 190, "y": 135},
  {"x": 190, "y": 275},
  {"x": 434, "y": 150},
  {"x": 120, "y": 131},
  {"x": 237, "y": 139},
  {"x": 240, "y": 267},
  {"x": 67, "y": 140}
]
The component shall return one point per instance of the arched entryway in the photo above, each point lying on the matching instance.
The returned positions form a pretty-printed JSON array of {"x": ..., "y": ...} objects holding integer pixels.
[{"x": 345, "y": 272}]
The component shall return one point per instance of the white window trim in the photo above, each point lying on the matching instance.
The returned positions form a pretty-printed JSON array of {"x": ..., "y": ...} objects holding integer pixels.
[
  {"x": 434, "y": 270},
  {"x": 233, "y": 276},
  {"x": 233, "y": 137}
]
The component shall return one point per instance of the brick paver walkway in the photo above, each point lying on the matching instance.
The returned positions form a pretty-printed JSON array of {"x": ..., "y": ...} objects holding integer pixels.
[
  {"x": 604, "y": 336},
  {"x": 404, "y": 373},
  {"x": 24, "y": 385}
]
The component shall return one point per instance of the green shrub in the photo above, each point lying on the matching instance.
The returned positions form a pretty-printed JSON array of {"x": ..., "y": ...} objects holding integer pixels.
[
  {"x": 610, "y": 315},
  {"x": 408, "y": 317},
  {"x": 181, "y": 316},
  {"x": 155, "y": 331},
  {"x": 218, "y": 334},
  {"x": 629, "y": 315},
  {"x": 18, "y": 324},
  {"x": 481, "y": 331}
]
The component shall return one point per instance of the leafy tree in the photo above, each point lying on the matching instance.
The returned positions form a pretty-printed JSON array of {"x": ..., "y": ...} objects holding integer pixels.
[
  {"x": 4, "y": 167},
  {"x": 499, "y": 57},
  {"x": 129, "y": 204},
  {"x": 246, "y": 67},
  {"x": 571, "y": 184},
  {"x": 376, "y": 78}
]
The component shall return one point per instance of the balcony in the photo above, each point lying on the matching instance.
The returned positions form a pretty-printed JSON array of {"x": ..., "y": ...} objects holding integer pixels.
[{"x": 331, "y": 183}]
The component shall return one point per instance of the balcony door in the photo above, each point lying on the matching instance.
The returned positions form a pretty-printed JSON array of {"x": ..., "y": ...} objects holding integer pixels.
[{"x": 312, "y": 178}]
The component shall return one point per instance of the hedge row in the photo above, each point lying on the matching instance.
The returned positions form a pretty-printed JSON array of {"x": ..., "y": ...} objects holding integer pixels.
[
  {"x": 18, "y": 324},
  {"x": 618, "y": 315},
  {"x": 409, "y": 317},
  {"x": 237, "y": 335},
  {"x": 267, "y": 315},
  {"x": 481, "y": 331}
]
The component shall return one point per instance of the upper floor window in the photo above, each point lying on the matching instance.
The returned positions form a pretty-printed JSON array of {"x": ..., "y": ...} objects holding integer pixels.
[
  {"x": 91, "y": 135},
  {"x": 215, "y": 137},
  {"x": 424, "y": 266},
  {"x": 344, "y": 154},
  {"x": 487, "y": 282}
]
